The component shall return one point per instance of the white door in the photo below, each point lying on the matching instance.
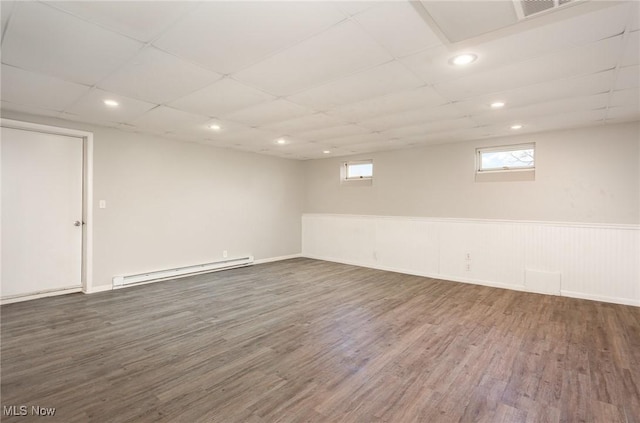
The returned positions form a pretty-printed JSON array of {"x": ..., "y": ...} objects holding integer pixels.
[{"x": 41, "y": 221}]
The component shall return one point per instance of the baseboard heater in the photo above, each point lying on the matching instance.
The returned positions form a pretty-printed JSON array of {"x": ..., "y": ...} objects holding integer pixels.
[{"x": 179, "y": 272}]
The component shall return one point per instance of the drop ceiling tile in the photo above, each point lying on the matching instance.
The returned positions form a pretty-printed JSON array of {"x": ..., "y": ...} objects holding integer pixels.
[
  {"x": 92, "y": 108},
  {"x": 398, "y": 27},
  {"x": 334, "y": 152},
  {"x": 574, "y": 31},
  {"x": 412, "y": 117},
  {"x": 539, "y": 93},
  {"x": 164, "y": 119},
  {"x": 427, "y": 128},
  {"x": 326, "y": 134},
  {"x": 627, "y": 98},
  {"x": 432, "y": 65},
  {"x": 222, "y": 97},
  {"x": 380, "y": 80},
  {"x": 353, "y": 8},
  {"x": 6, "y": 106},
  {"x": 592, "y": 58},
  {"x": 275, "y": 152},
  {"x": 457, "y": 135},
  {"x": 250, "y": 138},
  {"x": 142, "y": 20},
  {"x": 270, "y": 112},
  {"x": 623, "y": 114},
  {"x": 560, "y": 106},
  {"x": 300, "y": 147},
  {"x": 33, "y": 89},
  {"x": 554, "y": 38},
  {"x": 217, "y": 144},
  {"x": 628, "y": 77},
  {"x": 87, "y": 120},
  {"x": 389, "y": 104},
  {"x": 250, "y": 148},
  {"x": 6, "y": 7},
  {"x": 227, "y": 36},
  {"x": 371, "y": 147},
  {"x": 49, "y": 41},
  {"x": 564, "y": 120},
  {"x": 631, "y": 52},
  {"x": 474, "y": 18},
  {"x": 354, "y": 139},
  {"x": 541, "y": 71},
  {"x": 181, "y": 138},
  {"x": 157, "y": 77},
  {"x": 451, "y": 135},
  {"x": 500, "y": 130},
  {"x": 338, "y": 51},
  {"x": 634, "y": 15},
  {"x": 305, "y": 123},
  {"x": 197, "y": 128}
]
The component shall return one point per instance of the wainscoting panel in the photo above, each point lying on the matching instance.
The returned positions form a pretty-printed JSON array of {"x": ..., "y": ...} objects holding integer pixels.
[{"x": 592, "y": 261}]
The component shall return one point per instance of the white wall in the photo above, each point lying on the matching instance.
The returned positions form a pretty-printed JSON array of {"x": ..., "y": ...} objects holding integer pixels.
[
  {"x": 573, "y": 231},
  {"x": 173, "y": 204},
  {"x": 585, "y": 175}
]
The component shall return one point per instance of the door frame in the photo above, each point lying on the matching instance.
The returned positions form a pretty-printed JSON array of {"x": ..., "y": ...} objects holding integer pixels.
[{"x": 87, "y": 194}]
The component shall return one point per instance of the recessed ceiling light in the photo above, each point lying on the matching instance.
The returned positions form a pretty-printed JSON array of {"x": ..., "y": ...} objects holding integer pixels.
[
  {"x": 111, "y": 103},
  {"x": 497, "y": 105},
  {"x": 517, "y": 126},
  {"x": 463, "y": 59},
  {"x": 214, "y": 127},
  {"x": 281, "y": 141},
  {"x": 326, "y": 152}
]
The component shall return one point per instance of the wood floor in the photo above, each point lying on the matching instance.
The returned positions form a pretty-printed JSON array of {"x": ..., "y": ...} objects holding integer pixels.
[{"x": 311, "y": 341}]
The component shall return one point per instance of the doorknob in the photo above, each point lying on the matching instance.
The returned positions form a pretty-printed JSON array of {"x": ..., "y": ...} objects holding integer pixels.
[{"x": 77, "y": 223}]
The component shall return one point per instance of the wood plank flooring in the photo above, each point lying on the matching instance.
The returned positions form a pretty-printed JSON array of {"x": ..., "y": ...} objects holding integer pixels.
[{"x": 310, "y": 341}]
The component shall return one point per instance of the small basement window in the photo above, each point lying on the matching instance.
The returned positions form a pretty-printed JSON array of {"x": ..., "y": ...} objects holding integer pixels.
[
  {"x": 359, "y": 172},
  {"x": 506, "y": 163}
]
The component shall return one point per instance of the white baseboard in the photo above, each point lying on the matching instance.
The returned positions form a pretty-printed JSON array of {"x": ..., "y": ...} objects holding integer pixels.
[
  {"x": 482, "y": 282},
  {"x": 424, "y": 275},
  {"x": 603, "y": 298},
  {"x": 27, "y": 297},
  {"x": 279, "y": 258},
  {"x": 96, "y": 289}
]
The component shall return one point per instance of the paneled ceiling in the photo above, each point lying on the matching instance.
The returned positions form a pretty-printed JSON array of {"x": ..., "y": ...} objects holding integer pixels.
[{"x": 344, "y": 77}]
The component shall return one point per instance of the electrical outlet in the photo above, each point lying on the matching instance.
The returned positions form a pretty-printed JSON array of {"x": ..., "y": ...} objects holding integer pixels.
[
  {"x": 467, "y": 256},
  {"x": 467, "y": 267},
  {"x": 224, "y": 254}
]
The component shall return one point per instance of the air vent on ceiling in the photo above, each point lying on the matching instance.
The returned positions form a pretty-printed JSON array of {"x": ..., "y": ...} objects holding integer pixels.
[{"x": 526, "y": 8}]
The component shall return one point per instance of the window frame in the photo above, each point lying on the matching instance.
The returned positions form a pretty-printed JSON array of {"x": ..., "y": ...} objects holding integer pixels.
[
  {"x": 357, "y": 181},
  {"x": 355, "y": 163},
  {"x": 505, "y": 148}
]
